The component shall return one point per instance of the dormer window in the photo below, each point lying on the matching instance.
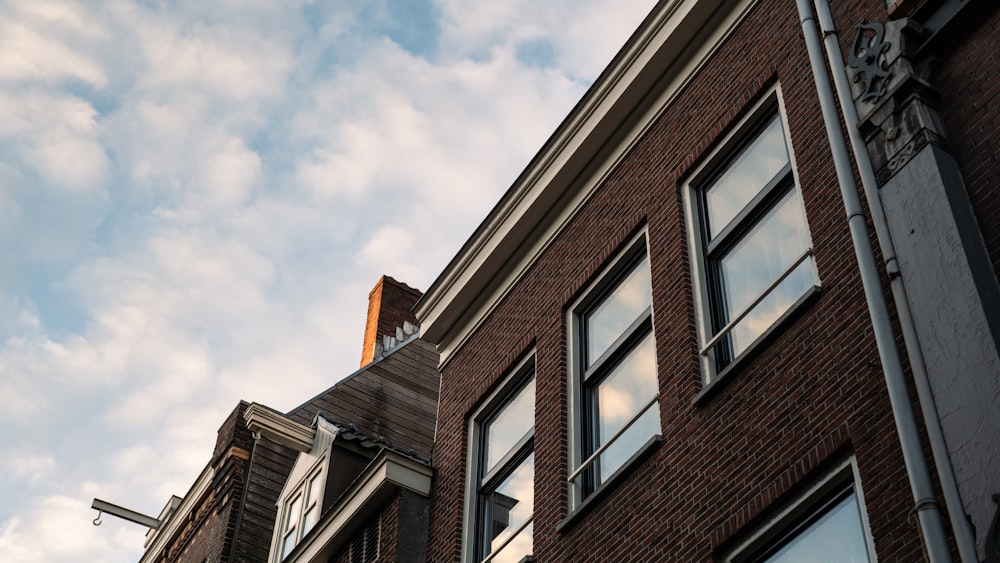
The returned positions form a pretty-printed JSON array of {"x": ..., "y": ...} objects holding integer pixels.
[
  {"x": 301, "y": 512},
  {"x": 301, "y": 502}
]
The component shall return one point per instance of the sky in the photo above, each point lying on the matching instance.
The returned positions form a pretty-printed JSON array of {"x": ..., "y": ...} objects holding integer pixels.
[{"x": 196, "y": 198}]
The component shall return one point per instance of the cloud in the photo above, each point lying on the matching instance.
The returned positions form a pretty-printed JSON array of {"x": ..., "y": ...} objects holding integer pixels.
[
  {"x": 400, "y": 136},
  {"x": 45, "y": 54},
  {"x": 581, "y": 35},
  {"x": 57, "y": 135},
  {"x": 40, "y": 43},
  {"x": 201, "y": 195},
  {"x": 30, "y": 465},
  {"x": 58, "y": 528}
]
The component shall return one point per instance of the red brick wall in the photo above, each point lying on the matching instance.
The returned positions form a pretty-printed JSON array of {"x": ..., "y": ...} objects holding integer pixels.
[{"x": 812, "y": 394}]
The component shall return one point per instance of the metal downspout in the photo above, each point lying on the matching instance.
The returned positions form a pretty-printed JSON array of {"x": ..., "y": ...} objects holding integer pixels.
[
  {"x": 939, "y": 450},
  {"x": 928, "y": 514}
]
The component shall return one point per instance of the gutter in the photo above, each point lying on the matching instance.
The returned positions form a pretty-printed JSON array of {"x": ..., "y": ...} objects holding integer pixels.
[
  {"x": 960, "y": 526},
  {"x": 931, "y": 526}
]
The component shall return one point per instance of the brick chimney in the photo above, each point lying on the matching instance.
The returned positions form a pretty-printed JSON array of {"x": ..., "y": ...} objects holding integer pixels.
[{"x": 389, "y": 316}]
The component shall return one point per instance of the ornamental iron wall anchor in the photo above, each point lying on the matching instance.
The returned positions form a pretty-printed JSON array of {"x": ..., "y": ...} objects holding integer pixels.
[{"x": 866, "y": 59}]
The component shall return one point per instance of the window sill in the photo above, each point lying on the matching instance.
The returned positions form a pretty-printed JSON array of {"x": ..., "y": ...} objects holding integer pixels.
[
  {"x": 723, "y": 377},
  {"x": 609, "y": 484}
]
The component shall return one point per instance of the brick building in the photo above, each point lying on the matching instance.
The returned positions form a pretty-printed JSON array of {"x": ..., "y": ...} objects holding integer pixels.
[
  {"x": 344, "y": 477},
  {"x": 679, "y": 336},
  {"x": 669, "y": 342}
]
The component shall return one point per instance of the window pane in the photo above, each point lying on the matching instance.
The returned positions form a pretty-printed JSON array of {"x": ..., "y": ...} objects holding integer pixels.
[
  {"x": 309, "y": 520},
  {"x": 509, "y": 425},
  {"x": 288, "y": 544},
  {"x": 508, "y": 507},
  {"x": 839, "y": 532},
  {"x": 313, "y": 492},
  {"x": 744, "y": 177},
  {"x": 617, "y": 311},
  {"x": 294, "y": 511},
  {"x": 758, "y": 259},
  {"x": 518, "y": 547},
  {"x": 620, "y": 396}
]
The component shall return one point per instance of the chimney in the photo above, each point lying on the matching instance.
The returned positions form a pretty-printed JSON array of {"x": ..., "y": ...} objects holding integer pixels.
[{"x": 389, "y": 316}]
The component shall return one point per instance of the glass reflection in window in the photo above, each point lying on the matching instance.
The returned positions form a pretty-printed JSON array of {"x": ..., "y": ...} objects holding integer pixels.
[
  {"x": 623, "y": 306},
  {"x": 620, "y": 396},
  {"x": 506, "y": 478},
  {"x": 618, "y": 385},
  {"x": 754, "y": 231},
  {"x": 832, "y": 532}
]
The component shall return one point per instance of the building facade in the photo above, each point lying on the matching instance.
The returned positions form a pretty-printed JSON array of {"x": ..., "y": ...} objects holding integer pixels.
[
  {"x": 668, "y": 342},
  {"x": 733, "y": 310},
  {"x": 343, "y": 477}
]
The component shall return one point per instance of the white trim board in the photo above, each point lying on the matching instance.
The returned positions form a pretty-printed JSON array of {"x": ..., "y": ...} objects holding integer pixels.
[
  {"x": 660, "y": 59},
  {"x": 385, "y": 475}
]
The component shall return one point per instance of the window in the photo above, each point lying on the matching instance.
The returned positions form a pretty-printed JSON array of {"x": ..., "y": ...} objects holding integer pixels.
[
  {"x": 753, "y": 252},
  {"x": 827, "y": 519},
  {"x": 834, "y": 527},
  {"x": 301, "y": 511},
  {"x": 502, "y": 470},
  {"x": 614, "y": 385}
]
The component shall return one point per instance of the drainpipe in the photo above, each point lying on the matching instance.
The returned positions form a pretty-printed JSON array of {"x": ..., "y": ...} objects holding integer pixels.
[
  {"x": 928, "y": 515},
  {"x": 939, "y": 450}
]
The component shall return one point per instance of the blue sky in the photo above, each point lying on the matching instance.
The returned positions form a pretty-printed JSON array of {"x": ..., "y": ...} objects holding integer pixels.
[{"x": 196, "y": 198}]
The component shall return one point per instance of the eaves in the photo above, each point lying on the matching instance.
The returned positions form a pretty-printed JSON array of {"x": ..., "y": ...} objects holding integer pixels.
[{"x": 660, "y": 58}]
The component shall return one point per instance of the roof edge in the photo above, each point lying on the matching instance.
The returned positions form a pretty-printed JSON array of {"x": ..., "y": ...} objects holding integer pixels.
[
  {"x": 265, "y": 421},
  {"x": 386, "y": 355},
  {"x": 589, "y": 143},
  {"x": 386, "y": 474}
]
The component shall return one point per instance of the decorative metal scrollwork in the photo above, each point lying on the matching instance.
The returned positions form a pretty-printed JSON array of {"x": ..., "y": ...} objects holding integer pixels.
[{"x": 866, "y": 59}]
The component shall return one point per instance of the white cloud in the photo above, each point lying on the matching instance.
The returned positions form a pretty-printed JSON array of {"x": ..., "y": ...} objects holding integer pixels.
[
  {"x": 202, "y": 196},
  {"x": 57, "y": 135},
  {"x": 59, "y": 528},
  {"x": 393, "y": 245},
  {"x": 416, "y": 130},
  {"x": 229, "y": 175},
  {"x": 41, "y": 43},
  {"x": 583, "y": 35},
  {"x": 227, "y": 62},
  {"x": 31, "y": 466},
  {"x": 62, "y": 17}
]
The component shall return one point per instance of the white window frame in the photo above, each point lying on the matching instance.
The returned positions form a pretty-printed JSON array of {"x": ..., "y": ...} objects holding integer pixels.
[
  {"x": 706, "y": 308},
  {"x": 805, "y": 505},
  {"x": 511, "y": 385},
  {"x": 301, "y": 490},
  {"x": 582, "y": 485}
]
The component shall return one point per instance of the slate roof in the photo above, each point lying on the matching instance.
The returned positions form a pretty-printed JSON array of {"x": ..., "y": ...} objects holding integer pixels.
[{"x": 394, "y": 398}]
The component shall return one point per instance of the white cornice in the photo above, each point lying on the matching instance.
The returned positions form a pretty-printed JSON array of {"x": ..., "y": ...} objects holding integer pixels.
[
  {"x": 661, "y": 57},
  {"x": 385, "y": 475},
  {"x": 276, "y": 427},
  {"x": 162, "y": 536}
]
